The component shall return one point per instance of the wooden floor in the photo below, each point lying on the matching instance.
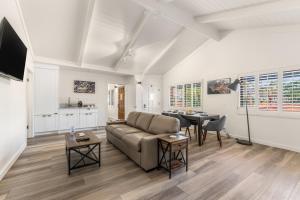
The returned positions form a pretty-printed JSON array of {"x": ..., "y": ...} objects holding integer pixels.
[{"x": 233, "y": 172}]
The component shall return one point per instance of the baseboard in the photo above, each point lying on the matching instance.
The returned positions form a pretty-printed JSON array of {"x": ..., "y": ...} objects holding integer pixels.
[
  {"x": 8, "y": 165},
  {"x": 267, "y": 143}
]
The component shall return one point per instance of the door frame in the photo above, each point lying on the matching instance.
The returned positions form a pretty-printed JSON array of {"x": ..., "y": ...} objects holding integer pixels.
[{"x": 29, "y": 102}]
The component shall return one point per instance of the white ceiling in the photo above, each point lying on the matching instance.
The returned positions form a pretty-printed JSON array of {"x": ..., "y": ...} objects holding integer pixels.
[{"x": 140, "y": 36}]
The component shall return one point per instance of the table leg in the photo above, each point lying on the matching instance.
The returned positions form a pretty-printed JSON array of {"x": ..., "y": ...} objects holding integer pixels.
[
  {"x": 186, "y": 157},
  {"x": 170, "y": 162},
  {"x": 158, "y": 163},
  {"x": 69, "y": 161},
  {"x": 99, "y": 156},
  {"x": 199, "y": 133}
]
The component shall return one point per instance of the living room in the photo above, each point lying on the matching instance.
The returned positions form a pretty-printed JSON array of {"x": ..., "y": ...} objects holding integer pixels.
[{"x": 149, "y": 99}]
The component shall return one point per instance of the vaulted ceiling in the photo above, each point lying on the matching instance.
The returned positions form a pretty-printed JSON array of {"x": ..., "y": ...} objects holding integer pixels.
[{"x": 140, "y": 36}]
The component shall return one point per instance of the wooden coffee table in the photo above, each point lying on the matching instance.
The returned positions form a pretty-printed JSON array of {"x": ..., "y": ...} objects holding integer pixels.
[
  {"x": 84, "y": 148},
  {"x": 172, "y": 153}
]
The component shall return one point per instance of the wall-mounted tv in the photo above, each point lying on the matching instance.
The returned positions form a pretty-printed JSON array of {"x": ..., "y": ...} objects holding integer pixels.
[{"x": 12, "y": 52}]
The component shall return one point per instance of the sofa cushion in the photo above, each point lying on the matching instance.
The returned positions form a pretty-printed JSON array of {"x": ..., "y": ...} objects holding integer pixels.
[
  {"x": 132, "y": 117},
  {"x": 143, "y": 121},
  {"x": 123, "y": 130},
  {"x": 164, "y": 124},
  {"x": 133, "y": 140},
  {"x": 113, "y": 126}
]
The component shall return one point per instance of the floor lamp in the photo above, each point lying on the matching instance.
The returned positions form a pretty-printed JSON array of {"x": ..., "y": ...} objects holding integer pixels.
[{"x": 233, "y": 86}]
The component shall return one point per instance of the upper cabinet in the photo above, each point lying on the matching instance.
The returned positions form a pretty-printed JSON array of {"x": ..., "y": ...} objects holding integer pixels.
[{"x": 46, "y": 89}]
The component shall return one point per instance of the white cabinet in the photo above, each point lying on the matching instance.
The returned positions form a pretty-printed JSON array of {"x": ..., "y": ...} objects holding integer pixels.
[
  {"x": 68, "y": 118},
  {"x": 45, "y": 90},
  {"x": 45, "y": 123},
  {"x": 45, "y": 98},
  {"x": 88, "y": 119}
]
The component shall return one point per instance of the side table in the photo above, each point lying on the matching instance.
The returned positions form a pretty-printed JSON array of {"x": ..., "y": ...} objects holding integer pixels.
[{"x": 172, "y": 157}]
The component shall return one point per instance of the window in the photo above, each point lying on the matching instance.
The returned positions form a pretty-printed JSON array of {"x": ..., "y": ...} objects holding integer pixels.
[
  {"x": 291, "y": 91},
  {"x": 179, "y": 96},
  {"x": 247, "y": 91},
  {"x": 268, "y": 92},
  {"x": 197, "y": 95},
  {"x": 188, "y": 95},
  {"x": 172, "y": 96}
]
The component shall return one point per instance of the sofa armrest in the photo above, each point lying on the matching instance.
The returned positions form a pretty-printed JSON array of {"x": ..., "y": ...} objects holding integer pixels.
[
  {"x": 149, "y": 151},
  {"x": 116, "y": 122}
]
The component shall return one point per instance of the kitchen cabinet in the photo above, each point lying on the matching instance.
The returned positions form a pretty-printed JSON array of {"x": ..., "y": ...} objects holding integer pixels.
[
  {"x": 45, "y": 99},
  {"x": 45, "y": 123},
  {"x": 68, "y": 118},
  {"x": 88, "y": 119}
]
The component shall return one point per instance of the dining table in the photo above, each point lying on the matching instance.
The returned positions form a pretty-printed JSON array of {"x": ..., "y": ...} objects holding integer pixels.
[{"x": 199, "y": 118}]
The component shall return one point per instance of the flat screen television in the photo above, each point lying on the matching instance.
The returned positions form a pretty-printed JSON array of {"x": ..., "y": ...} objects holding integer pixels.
[{"x": 12, "y": 52}]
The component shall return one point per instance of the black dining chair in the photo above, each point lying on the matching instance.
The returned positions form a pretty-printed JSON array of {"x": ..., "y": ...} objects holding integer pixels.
[
  {"x": 165, "y": 113},
  {"x": 183, "y": 123},
  {"x": 216, "y": 125}
]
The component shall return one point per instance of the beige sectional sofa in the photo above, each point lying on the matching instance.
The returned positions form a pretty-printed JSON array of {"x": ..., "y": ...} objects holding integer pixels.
[{"x": 137, "y": 136}]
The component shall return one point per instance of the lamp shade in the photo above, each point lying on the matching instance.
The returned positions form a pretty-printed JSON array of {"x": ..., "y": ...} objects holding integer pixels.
[{"x": 233, "y": 86}]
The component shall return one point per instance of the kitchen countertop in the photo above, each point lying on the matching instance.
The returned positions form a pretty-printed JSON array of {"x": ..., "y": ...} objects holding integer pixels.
[{"x": 76, "y": 107}]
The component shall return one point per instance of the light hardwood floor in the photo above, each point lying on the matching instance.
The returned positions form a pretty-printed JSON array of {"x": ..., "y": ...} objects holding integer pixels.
[{"x": 233, "y": 172}]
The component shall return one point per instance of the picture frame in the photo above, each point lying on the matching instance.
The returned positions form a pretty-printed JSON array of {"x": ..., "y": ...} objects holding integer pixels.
[
  {"x": 218, "y": 86},
  {"x": 87, "y": 87}
]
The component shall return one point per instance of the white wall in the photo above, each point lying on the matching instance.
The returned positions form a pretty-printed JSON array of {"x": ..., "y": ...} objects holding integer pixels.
[
  {"x": 241, "y": 52},
  {"x": 13, "y": 117},
  {"x": 66, "y": 89}
]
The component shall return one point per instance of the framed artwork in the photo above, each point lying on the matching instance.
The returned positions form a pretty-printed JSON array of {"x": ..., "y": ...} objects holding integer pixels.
[
  {"x": 219, "y": 86},
  {"x": 84, "y": 87}
]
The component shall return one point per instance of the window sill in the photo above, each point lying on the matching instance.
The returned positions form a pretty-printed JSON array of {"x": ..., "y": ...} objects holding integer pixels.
[{"x": 271, "y": 114}]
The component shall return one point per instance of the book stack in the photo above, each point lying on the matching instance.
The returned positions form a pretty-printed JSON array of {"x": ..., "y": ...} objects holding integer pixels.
[{"x": 81, "y": 137}]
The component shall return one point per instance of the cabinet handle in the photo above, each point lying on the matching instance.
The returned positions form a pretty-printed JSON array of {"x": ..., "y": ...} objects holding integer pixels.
[
  {"x": 49, "y": 115},
  {"x": 44, "y": 115},
  {"x": 67, "y": 114}
]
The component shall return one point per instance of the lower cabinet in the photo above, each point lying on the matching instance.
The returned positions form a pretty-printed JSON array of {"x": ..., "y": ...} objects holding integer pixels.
[
  {"x": 65, "y": 120},
  {"x": 45, "y": 123},
  {"x": 68, "y": 120},
  {"x": 88, "y": 120}
]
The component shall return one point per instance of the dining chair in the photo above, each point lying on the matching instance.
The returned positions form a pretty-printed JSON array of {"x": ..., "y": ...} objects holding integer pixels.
[
  {"x": 216, "y": 125},
  {"x": 165, "y": 113},
  {"x": 183, "y": 123}
]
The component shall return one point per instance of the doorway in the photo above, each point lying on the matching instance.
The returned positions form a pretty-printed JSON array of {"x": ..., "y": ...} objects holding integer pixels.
[
  {"x": 29, "y": 103},
  {"x": 116, "y": 102},
  {"x": 121, "y": 102}
]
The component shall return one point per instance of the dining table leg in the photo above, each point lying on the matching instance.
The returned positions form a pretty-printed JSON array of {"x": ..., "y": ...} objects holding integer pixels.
[{"x": 200, "y": 134}]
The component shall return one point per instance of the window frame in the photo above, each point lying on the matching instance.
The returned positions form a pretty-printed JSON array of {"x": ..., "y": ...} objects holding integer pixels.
[
  {"x": 255, "y": 110},
  {"x": 183, "y": 84}
]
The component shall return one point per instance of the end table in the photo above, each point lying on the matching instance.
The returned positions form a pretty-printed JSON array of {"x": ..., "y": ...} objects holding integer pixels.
[{"x": 172, "y": 152}]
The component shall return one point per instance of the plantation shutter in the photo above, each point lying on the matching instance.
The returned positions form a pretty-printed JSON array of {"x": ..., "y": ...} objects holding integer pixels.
[
  {"x": 291, "y": 91},
  {"x": 188, "y": 95},
  {"x": 197, "y": 95},
  {"x": 179, "y": 96},
  {"x": 247, "y": 91},
  {"x": 268, "y": 92},
  {"x": 172, "y": 96}
]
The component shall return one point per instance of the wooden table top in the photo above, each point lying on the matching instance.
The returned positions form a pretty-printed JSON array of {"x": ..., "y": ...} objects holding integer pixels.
[
  {"x": 72, "y": 143},
  {"x": 176, "y": 139}
]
